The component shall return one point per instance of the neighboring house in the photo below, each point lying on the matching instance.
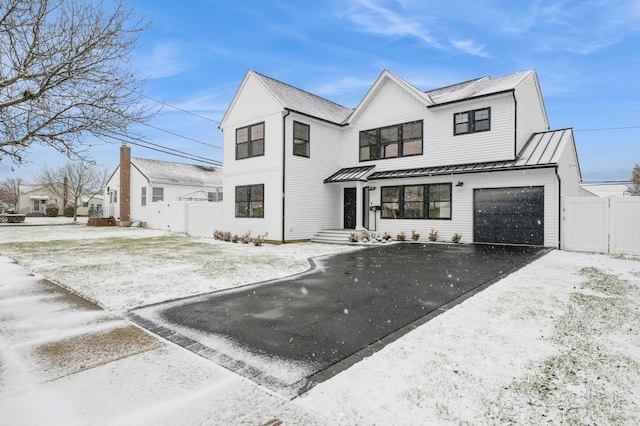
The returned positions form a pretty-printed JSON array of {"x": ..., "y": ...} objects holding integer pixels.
[
  {"x": 476, "y": 158},
  {"x": 607, "y": 189},
  {"x": 137, "y": 182},
  {"x": 32, "y": 200}
]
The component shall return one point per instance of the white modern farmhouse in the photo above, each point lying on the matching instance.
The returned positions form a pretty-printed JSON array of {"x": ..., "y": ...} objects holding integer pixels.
[{"x": 476, "y": 158}]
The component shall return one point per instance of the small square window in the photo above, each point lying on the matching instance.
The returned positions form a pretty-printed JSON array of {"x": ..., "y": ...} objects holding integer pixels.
[{"x": 478, "y": 120}]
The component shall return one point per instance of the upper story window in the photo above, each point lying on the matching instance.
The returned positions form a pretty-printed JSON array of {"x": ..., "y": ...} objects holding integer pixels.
[
  {"x": 400, "y": 140},
  {"x": 157, "y": 194},
  {"x": 301, "y": 139},
  {"x": 416, "y": 201},
  {"x": 478, "y": 120},
  {"x": 250, "y": 141},
  {"x": 250, "y": 201}
]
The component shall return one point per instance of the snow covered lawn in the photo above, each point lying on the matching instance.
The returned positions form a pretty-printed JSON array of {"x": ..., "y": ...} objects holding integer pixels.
[{"x": 556, "y": 342}]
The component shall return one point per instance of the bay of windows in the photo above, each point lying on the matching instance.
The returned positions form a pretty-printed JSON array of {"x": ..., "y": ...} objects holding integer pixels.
[
  {"x": 416, "y": 201},
  {"x": 400, "y": 140}
]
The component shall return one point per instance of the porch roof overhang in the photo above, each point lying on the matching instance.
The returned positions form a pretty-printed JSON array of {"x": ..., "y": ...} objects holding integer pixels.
[
  {"x": 493, "y": 166},
  {"x": 350, "y": 174},
  {"x": 39, "y": 197}
]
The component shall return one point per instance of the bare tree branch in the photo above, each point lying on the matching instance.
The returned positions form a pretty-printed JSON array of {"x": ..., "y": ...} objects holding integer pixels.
[
  {"x": 64, "y": 75},
  {"x": 10, "y": 191}
]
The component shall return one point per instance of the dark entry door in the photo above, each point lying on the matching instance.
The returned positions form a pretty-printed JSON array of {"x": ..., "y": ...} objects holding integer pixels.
[
  {"x": 509, "y": 215},
  {"x": 349, "y": 208}
]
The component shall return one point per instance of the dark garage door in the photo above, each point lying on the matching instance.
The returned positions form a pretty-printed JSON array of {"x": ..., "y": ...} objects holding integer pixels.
[{"x": 509, "y": 215}]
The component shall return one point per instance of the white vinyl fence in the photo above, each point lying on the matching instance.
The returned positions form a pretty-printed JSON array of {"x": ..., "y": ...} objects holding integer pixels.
[
  {"x": 195, "y": 218},
  {"x": 602, "y": 225}
]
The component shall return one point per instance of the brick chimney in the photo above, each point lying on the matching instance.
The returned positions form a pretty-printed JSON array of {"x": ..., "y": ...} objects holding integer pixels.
[{"x": 125, "y": 183}]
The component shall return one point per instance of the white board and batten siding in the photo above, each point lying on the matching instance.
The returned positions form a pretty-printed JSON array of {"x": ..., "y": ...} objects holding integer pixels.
[
  {"x": 531, "y": 115},
  {"x": 601, "y": 224},
  {"x": 310, "y": 204}
]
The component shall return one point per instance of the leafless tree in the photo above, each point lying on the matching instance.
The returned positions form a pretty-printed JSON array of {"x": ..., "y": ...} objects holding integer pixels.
[
  {"x": 65, "y": 75},
  {"x": 10, "y": 190},
  {"x": 635, "y": 181},
  {"x": 73, "y": 181}
]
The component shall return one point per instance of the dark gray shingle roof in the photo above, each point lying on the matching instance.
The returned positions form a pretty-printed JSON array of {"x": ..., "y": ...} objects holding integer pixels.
[{"x": 304, "y": 102}]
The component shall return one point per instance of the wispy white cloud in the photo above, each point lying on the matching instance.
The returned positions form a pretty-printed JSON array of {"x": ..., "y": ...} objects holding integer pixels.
[
  {"x": 164, "y": 60},
  {"x": 405, "y": 20}
]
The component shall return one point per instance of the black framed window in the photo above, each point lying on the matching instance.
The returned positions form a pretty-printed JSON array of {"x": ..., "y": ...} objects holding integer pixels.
[
  {"x": 400, "y": 140},
  {"x": 250, "y": 141},
  {"x": 250, "y": 201},
  {"x": 301, "y": 139},
  {"x": 143, "y": 198},
  {"x": 478, "y": 120},
  {"x": 416, "y": 201}
]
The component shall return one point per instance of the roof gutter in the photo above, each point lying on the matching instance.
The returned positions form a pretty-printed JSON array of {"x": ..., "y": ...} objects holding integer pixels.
[
  {"x": 471, "y": 98},
  {"x": 289, "y": 110}
]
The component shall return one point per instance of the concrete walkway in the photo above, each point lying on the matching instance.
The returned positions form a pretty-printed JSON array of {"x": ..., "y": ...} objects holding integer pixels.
[{"x": 65, "y": 361}]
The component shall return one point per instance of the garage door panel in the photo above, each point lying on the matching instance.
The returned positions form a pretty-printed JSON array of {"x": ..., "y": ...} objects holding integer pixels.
[{"x": 509, "y": 215}]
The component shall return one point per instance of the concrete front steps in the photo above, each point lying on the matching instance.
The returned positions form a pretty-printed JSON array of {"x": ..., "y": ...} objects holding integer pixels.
[{"x": 332, "y": 236}]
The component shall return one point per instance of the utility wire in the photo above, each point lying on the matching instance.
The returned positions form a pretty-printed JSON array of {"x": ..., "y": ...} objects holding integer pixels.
[
  {"x": 179, "y": 109},
  {"x": 181, "y": 136},
  {"x": 212, "y": 162},
  {"x": 606, "y": 128}
]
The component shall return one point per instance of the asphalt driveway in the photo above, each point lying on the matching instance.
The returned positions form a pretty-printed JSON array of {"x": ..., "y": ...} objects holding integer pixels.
[{"x": 346, "y": 303}]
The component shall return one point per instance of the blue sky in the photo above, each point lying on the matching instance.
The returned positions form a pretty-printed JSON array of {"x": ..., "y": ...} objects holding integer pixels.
[{"x": 586, "y": 54}]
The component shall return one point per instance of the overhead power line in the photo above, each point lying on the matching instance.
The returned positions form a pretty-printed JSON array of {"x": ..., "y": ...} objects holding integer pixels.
[
  {"x": 606, "y": 128},
  {"x": 178, "y": 108},
  {"x": 212, "y": 162},
  {"x": 181, "y": 136}
]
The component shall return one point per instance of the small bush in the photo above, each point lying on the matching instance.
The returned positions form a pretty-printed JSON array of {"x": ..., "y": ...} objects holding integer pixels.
[
  {"x": 353, "y": 237},
  {"x": 234, "y": 239},
  {"x": 365, "y": 235},
  {"x": 401, "y": 236},
  {"x": 51, "y": 210},
  {"x": 387, "y": 237},
  {"x": 456, "y": 238},
  {"x": 433, "y": 235},
  {"x": 246, "y": 238},
  {"x": 226, "y": 236},
  {"x": 257, "y": 241},
  {"x": 415, "y": 236},
  {"x": 69, "y": 210},
  {"x": 218, "y": 234}
]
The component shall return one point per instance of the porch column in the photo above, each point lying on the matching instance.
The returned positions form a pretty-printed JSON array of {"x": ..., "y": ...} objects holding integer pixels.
[{"x": 359, "y": 186}]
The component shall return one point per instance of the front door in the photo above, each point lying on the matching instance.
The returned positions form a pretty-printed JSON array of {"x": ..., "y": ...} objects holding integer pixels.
[{"x": 349, "y": 208}]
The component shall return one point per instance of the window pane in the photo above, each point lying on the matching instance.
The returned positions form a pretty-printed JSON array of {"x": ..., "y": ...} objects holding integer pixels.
[
  {"x": 257, "y": 148},
  {"x": 368, "y": 143},
  {"x": 439, "y": 201},
  {"x": 257, "y": 131},
  {"x": 481, "y": 114},
  {"x": 390, "y": 202},
  {"x": 257, "y": 209},
  {"x": 390, "y": 151},
  {"x": 242, "y": 135},
  {"x": 241, "y": 209},
  {"x": 157, "y": 194},
  {"x": 412, "y": 131},
  {"x": 300, "y": 131},
  {"x": 413, "y": 201},
  {"x": 257, "y": 193},
  {"x": 301, "y": 147},
  {"x": 388, "y": 134},
  {"x": 413, "y": 147},
  {"x": 242, "y": 150},
  {"x": 242, "y": 193}
]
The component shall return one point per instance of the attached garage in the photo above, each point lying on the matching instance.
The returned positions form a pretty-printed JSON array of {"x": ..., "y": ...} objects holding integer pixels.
[{"x": 509, "y": 215}]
